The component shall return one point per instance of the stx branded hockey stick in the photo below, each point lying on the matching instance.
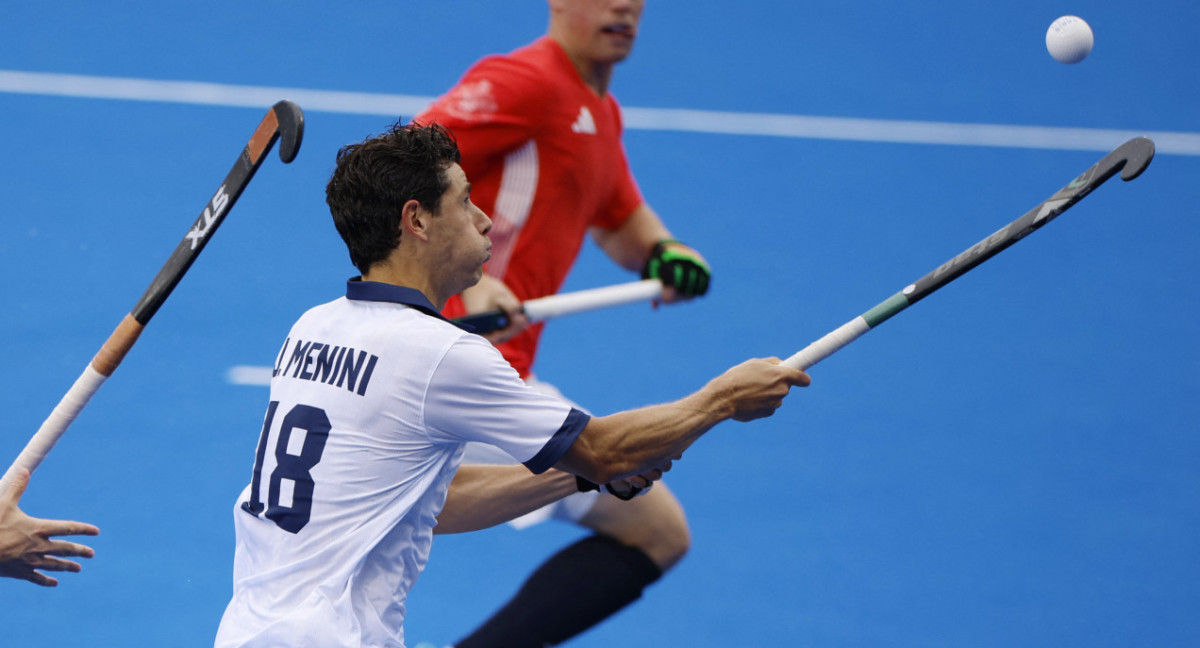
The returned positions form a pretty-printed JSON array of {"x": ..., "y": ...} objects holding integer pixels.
[
  {"x": 285, "y": 122},
  {"x": 1131, "y": 158},
  {"x": 545, "y": 308}
]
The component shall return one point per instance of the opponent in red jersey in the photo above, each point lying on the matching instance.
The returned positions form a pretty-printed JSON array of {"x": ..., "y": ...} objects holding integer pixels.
[
  {"x": 545, "y": 160},
  {"x": 541, "y": 143}
]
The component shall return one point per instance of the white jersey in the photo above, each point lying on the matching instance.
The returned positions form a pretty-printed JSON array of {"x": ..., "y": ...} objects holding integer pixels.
[{"x": 372, "y": 399}]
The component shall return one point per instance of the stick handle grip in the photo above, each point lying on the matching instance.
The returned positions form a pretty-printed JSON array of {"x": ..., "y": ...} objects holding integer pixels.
[
  {"x": 828, "y": 344},
  {"x": 544, "y": 308},
  {"x": 595, "y": 298},
  {"x": 56, "y": 424},
  {"x": 64, "y": 414}
]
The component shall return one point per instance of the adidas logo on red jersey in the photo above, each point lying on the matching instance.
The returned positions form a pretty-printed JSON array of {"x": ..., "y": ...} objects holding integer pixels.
[{"x": 584, "y": 123}]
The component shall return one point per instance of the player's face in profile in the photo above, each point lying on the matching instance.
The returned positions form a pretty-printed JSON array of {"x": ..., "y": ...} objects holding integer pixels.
[{"x": 465, "y": 228}]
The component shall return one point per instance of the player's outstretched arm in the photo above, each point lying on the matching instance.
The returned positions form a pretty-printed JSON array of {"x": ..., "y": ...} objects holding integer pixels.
[
  {"x": 636, "y": 441},
  {"x": 25, "y": 542}
]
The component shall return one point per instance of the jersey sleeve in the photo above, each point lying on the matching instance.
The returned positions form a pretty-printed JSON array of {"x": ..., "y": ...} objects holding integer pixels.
[
  {"x": 475, "y": 395},
  {"x": 626, "y": 195},
  {"x": 493, "y": 109},
  {"x": 624, "y": 201}
]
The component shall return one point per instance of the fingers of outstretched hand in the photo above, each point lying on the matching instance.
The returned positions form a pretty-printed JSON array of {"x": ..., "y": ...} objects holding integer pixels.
[
  {"x": 50, "y": 563},
  {"x": 31, "y": 535},
  {"x": 41, "y": 555},
  {"x": 65, "y": 548},
  {"x": 21, "y": 570},
  {"x": 27, "y": 543},
  {"x": 26, "y": 568}
]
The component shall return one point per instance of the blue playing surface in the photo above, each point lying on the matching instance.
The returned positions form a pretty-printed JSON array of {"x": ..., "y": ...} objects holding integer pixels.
[{"x": 1013, "y": 462}]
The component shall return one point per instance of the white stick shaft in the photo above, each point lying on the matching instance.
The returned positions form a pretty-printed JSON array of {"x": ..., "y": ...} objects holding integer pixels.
[
  {"x": 828, "y": 344},
  {"x": 584, "y": 300},
  {"x": 56, "y": 424}
]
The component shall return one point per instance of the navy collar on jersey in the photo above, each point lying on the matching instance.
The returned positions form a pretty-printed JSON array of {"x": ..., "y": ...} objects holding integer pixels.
[{"x": 361, "y": 290}]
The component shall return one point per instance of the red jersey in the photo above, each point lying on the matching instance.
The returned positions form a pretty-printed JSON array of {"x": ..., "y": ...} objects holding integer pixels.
[{"x": 544, "y": 157}]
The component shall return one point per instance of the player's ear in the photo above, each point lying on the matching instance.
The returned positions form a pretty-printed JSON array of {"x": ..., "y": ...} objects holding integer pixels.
[{"x": 414, "y": 220}]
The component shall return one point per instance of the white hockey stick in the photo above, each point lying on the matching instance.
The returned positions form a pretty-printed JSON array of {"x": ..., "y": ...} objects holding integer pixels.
[{"x": 579, "y": 301}]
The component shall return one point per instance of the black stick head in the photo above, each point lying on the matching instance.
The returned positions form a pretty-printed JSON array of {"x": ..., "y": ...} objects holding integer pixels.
[
  {"x": 291, "y": 129},
  {"x": 1133, "y": 157}
]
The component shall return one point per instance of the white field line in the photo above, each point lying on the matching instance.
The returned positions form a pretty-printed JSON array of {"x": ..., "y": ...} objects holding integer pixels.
[
  {"x": 653, "y": 119},
  {"x": 249, "y": 375}
]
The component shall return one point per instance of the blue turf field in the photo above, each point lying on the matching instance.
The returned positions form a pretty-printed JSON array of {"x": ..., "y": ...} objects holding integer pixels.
[{"x": 1013, "y": 462}]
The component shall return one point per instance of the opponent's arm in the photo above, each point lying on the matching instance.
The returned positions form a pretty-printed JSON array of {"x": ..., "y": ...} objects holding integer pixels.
[
  {"x": 629, "y": 245},
  {"x": 634, "y": 442},
  {"x": 643, "y": 244}
]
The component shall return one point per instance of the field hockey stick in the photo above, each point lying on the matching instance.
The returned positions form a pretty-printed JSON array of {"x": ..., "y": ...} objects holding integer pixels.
[
  {"x": 544, "y": 308},
  {"x": 1131, "y": 158},
  {"x": 284, "y": 121}
]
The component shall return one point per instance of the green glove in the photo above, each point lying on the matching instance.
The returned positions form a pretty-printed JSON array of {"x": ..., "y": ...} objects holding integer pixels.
[{"x": 678, "y": 268}]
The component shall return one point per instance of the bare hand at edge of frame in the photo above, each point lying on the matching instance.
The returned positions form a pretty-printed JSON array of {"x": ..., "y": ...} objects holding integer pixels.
[{"x": 25, "y": 542}]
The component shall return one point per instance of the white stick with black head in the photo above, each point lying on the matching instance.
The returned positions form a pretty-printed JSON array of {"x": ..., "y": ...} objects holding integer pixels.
[
  {"x": 1131, "y": 158},
  {"x": 285, "y": 122}
]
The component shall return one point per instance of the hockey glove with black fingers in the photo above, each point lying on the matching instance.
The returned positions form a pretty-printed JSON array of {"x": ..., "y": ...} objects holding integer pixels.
[{"x": 679, "y": 267}]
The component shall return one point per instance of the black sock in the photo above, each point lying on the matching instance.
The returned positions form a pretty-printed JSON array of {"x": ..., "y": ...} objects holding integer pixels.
[{"x": 574, "y": 590}]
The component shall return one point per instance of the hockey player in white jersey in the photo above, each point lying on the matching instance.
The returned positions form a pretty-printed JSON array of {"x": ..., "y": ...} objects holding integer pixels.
[{"x": 375, "y": 394}]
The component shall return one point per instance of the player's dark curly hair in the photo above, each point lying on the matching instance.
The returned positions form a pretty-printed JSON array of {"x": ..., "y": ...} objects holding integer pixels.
[{"x": 374, "y": 178}]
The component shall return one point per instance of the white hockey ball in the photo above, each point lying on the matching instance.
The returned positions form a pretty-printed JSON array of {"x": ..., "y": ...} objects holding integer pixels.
[{"x": 1069, "y": 39}]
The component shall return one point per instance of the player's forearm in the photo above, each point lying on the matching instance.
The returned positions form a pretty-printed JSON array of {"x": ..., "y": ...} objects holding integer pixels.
[
  {"x": 483, "y": 496},
  {"x": 633, "y": 442},
  {"x": 629, "y": 245}
]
